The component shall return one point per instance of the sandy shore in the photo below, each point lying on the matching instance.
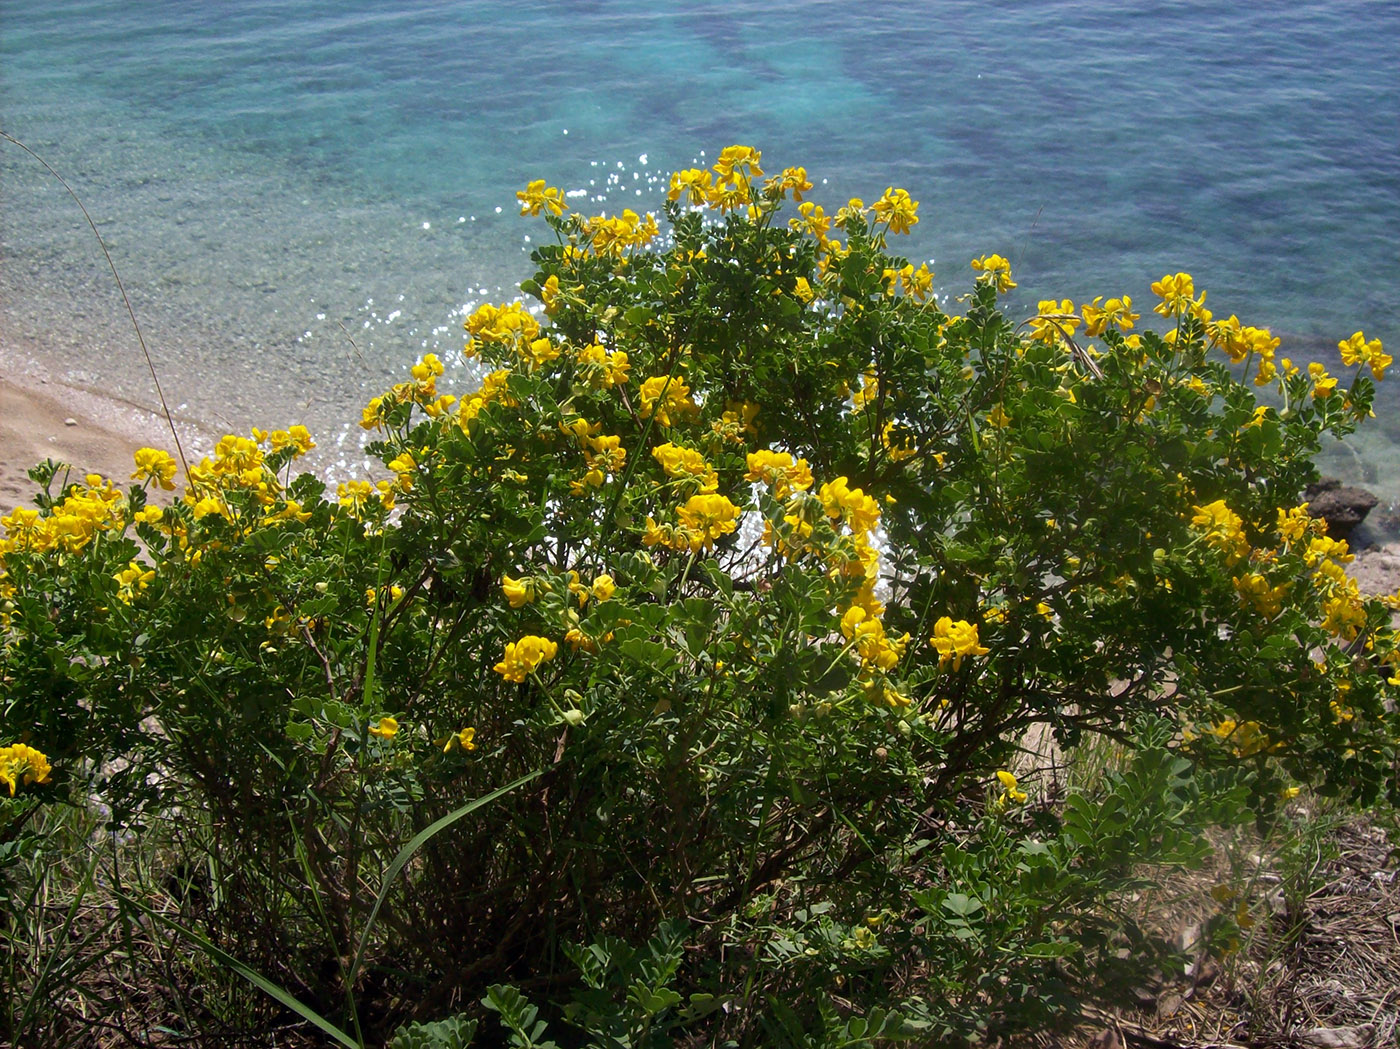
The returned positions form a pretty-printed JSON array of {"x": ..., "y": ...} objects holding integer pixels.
[{"x": 41, "y": 419}]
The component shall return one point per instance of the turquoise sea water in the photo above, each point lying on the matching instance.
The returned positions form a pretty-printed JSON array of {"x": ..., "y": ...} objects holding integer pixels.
[{"x": 268, "y": 172}]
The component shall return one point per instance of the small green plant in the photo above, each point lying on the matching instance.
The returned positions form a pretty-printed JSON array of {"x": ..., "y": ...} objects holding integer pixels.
[
  {"x": 455, "y": 1032},
  {"x": 754, "y": 565}
]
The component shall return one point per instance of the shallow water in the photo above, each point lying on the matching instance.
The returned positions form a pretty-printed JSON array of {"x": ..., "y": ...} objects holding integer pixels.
[{"x": 303, "y": 198}]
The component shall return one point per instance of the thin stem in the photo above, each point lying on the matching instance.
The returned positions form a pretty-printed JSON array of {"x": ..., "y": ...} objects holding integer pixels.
[{"x": 150, "y": 364}]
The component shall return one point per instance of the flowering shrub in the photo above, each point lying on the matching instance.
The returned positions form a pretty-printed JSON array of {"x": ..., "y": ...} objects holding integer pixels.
[{"x": 773, "y": 564}]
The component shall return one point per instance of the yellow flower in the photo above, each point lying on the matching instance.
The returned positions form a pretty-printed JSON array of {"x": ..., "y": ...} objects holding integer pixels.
[
  {"x": 896, "y": 210},
  {"x": 692, "y": 184},
  {"x": 918, "y": 283},
  {"x": 520, "y": 592},
  {"x": 132, "y": 580},
  {"x": 738, "y": 162},
  {"x": 706, "y": 517},
  {"x": 1293, "y": 524},
  {"x": 792, "y": 180},
  {"x": 1054, "y": 320},
  {"x": 601, "y": 368},
  {"x": 20, "y": 762},
  {"x": 814, "y": 221},
  {"x": 1255, "y": 591},
  {"x": 841, "y": 502},
  {"x": 955, "y": 639},
  {"x": 865, "y": 630},
  {"x": 1357, "y": 350},
  {"x": 155, "y": 465},
  {"x": 1010, "y": 788},
  {"x": 385, "y": 728},
  {"x": 1222, "y": 528},
  {"x": 463, "y": 740},
  {"x": 1323, "y": 384},
  {"x": 995, "y": 269},
  {"x": 522, "y": 657},
  {"x": 1116, "y": 313},
  {"x": 356, "y": 497},
  {"x": 612, "y": 236},
  {"x": 779, "y": 472},
  {"x": 537, "y": 195},
  {"x": 686, "y": 464},
  {"x": 661, "y": 395},
  {"x": 899, "y": 441},
  {"x": 1176, "y": 292}
]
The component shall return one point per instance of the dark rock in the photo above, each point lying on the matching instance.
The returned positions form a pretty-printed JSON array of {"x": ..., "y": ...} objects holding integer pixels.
[{"x": 1341, "y": 506}]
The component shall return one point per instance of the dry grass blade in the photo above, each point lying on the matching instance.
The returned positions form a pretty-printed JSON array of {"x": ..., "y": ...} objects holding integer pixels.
[{"x": 140, "y": 338}]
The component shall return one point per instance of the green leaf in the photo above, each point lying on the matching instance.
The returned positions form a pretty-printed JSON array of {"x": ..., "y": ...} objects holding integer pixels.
[
  {"x": 961, "y": 904},
  {"x": 406, "y": 854},
  {"x": 252, "y": 976}
]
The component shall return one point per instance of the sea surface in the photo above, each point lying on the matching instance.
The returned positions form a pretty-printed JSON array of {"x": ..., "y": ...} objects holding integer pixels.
[{"x": 302, "y": 198}]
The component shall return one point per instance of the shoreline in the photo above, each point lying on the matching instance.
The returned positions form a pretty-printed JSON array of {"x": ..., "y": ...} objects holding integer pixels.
[{"x": 44, "y": 418}]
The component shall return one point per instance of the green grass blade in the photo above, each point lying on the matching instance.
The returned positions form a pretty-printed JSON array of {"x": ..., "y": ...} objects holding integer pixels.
[
  {"x": 252, "y": 976},
  {"x": 406, "y": 854}
]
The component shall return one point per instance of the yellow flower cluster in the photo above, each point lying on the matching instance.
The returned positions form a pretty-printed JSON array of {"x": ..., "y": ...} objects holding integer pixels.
[
  {"x": 510, "y": 325},
  {"x": 1221, "y": 528},
  {"x": 1258, "y": 593},
  {"x": 851, "y": 505},
  {"x": 537, "y": 195},
  {"x": 601, "y": 368},
  {"x": 132, "y": 581},
  {"x": 814, "y": 221},
  {"x": 1358, "y": 350},
  {"x": 995, "y": 270},
  {"x": 614, "y": 235},
  {"x": 152, "y": 464},
  {"x": 1177, "y": 292},
  {"x": 899, "y": 443},
  {"x": 85, "y": 512},
  {"x": 362, "y": 498},
  {"x": 1344, "y": 613},
  {"x": 662, "y": 395},
  {"x": 955, "y": 639},
  {"x": 494, "y": 390},
  {"x": 21, "y": 763},
  {"x": 877, "y": 651},
  {"x": 779, "y": 472},
  {"x": 917, "y": 283},
  {"x": 298, "y": 438},
  {"x": 1245, "y": 737},
  {"x": 852, "y": 556},
  {"x": 792, "y": 181},
  {"x": 1054, "y": 321},
  {"x": 1115, "y": 313},
  {"x": 896, "y": 210},
  {"x": 728, "y": 185},
  {"x": 522, "y": 657},
  {"x": 1324, "y": 385},
  {"x": 1295, "y": 523},
  {"x": 686, "y": 466},
  {"x": 700, "y": 521},
  {"x": 422, "y": 391}
]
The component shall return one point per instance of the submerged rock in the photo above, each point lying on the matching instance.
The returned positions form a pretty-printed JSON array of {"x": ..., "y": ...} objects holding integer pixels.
[{"x": 1341, "y": 506}]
